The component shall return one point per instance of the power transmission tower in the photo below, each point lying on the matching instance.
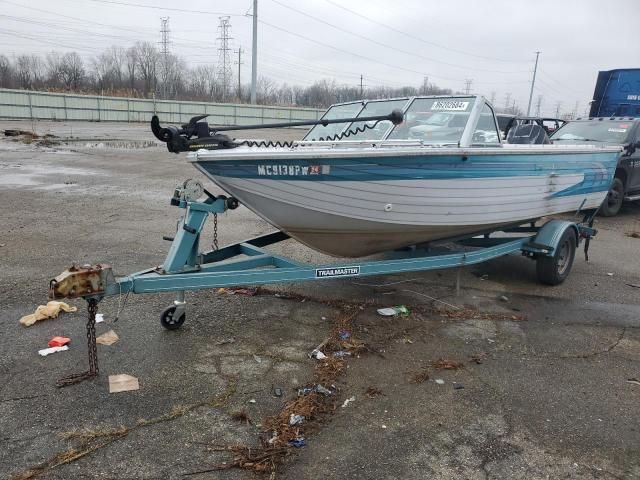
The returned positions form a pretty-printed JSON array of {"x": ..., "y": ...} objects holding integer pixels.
[
  {"x": 507, "y": 100},
  {"x": 425, "y": 85},
  {"x": 467, "y": 85},
  {"x": 164, "y": 50},
  {"x": 575, "y": 112},
  {"x": 493, "y": 98},
  {"x": 239, "y": 62},
  {"x": 224, "y": 60},
  {"x": 558, "y": 109},
  {"x": 538, "y": 105},
  {"x": 533, "y": 82}
]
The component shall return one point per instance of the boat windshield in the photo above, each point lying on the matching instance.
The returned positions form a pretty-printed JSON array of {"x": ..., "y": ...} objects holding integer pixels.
[
  {"x": 599, "y": 131},
  {"x": 435, "y": 120},
  {"x": 373, "y": 130},
  {"x": 347, "y": 110}
]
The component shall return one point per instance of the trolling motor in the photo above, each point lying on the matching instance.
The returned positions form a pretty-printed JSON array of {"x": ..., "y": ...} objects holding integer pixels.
[{"x": 197, "y": 134}]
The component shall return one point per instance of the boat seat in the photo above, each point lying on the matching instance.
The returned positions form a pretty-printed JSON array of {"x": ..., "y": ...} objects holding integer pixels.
[{"x": 532, "y": 134}]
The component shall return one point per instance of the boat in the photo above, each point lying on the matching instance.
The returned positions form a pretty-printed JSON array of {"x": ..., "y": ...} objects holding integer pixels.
[{"x": 378, "y": 175}]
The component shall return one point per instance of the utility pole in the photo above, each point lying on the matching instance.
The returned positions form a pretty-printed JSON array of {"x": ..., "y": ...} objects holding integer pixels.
[
  {"x": 467, "y": 85},
  {"x": 575, "y": 112},
  {"x": 425, "y": 85},
  {"x": 239, "y": 62},
  {"x": 493, "y": 98},
  {"x": 164, "y": 50},
  {"x": 254, "y": 53},
  {"x": 361, "y": 87},
  {"x": 538, "y": 105},
  {"x": 558, "y": 109},
  {"x": 533, "y": 82},
  {"x": 224, "y": 62}
]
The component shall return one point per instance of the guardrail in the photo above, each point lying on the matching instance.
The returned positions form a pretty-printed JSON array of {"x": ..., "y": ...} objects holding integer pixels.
[{"x": 27, "y": 104}]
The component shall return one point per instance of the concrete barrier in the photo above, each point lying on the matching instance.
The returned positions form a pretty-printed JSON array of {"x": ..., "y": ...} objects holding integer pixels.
[{"x": 26, "y": 104}]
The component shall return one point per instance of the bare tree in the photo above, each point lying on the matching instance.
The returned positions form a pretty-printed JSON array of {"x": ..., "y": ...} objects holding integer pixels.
[
  {"x": 266, "y": 91},
  {"x": 37, "y": 71},
  {"x": 202, "y": 81},
  {"x": 131, "y": 61},
  {"x": 148, "y": 57},
  {"x": 72, "y": 71},
  {"x": 117, "y": 58},
  {"x": 6, "y": 72},
  {"x": 54, "y": 69},
  {"x": 23, "y": 72},
  {"x": 101, "y": 71}
]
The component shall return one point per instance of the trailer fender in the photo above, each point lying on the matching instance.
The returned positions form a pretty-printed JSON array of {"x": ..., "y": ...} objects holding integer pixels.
[{"x": 548, "y": 237}]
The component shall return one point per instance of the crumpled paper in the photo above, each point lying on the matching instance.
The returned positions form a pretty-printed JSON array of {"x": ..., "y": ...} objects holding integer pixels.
[{"x": 50, "y": 310}]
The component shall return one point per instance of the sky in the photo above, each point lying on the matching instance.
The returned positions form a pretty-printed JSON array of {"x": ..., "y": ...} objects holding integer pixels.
[{"x": 492, "y": 43}]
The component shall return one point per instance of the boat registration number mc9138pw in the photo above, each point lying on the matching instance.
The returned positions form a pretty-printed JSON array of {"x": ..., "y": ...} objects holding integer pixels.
[
  {"x": 338, "y": 272},
  {"x": 292, "y": 170}
]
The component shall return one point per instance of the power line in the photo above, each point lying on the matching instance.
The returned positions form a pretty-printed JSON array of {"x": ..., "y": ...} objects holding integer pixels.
[
  {"x": 418, "y": 38},
  {"x": 169, "y": 9},
  {"x": 399, "y": 67},
  {"x": 385, "y": 45}
]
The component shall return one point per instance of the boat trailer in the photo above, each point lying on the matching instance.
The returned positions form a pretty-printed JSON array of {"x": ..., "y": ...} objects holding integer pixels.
[{"x": 246, "y": 263}]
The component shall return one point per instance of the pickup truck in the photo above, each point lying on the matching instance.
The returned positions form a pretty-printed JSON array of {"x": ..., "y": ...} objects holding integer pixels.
[{"x": 614, "y": 131}]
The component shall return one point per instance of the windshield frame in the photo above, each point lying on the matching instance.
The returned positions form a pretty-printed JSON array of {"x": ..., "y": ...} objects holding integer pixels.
[{"x": 466, "y": 138}]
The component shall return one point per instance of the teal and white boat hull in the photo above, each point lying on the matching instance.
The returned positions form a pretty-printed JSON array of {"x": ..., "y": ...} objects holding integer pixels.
[{"x": 352, "y": 199}]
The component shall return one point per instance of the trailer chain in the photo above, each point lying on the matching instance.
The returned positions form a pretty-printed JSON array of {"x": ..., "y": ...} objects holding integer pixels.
[
  {"x": 92, "y": 307},
  {"x": 215, "y": 232}
]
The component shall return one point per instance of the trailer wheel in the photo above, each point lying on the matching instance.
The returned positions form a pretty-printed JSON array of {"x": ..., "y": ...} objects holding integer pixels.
[
  {"x": 613, "y": 201},
  {"x": 554, "y": 270},
  {"x": 170, "y": 320}
]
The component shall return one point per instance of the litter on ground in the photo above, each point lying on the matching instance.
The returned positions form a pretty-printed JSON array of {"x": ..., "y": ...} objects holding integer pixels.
[
  {"x": 295, "y": 419},
  {"x": 348, "y": 401},
  {"x": 122, "y": 383},
  {"x": 59, "y": 341},
  {"x": 48, "y": 351},
  {"x": 317, "y": 354},
  {"x": 393, "y": 311},
  {"x": 99, "y": 317},
  {"x": 50, "y": 310},
  {"x": 246, "y": 292},
  {"x": 439, "y": 381},
  {"x": 107, "y": 338}
]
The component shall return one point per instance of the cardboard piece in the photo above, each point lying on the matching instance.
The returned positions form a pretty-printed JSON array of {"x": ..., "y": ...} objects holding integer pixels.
[
  {"x": 107, "y": 338},
  {"x": 122, "y": 383}
]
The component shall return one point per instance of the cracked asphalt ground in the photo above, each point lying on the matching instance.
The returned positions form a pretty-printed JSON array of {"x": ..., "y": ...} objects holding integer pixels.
[{"x": 542, "y": 397}]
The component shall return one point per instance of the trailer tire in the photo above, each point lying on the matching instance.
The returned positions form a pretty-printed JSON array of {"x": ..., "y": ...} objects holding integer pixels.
[
  {"x": 613, "y": 201},
  {"x": 169, "y": 320},
  {"x": 555, "y": 269}
]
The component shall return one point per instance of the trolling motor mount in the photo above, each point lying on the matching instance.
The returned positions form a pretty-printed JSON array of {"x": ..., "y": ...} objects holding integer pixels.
[{"x": 181, "y": 139}]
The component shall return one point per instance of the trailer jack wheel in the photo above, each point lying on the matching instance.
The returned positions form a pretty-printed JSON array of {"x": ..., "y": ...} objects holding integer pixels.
[
  {"x": 555, "y": 269},
  {"x": 173, "y": 317}
]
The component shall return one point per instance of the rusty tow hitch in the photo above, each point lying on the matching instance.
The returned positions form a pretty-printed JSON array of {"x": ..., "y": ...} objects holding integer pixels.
[
  {"x": 88, "y": 282},
  {"x": 81, "y": 281}
]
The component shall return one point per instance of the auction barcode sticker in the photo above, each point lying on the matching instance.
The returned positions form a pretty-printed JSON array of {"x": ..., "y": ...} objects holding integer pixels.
[{"x": 449, "y": 105}]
